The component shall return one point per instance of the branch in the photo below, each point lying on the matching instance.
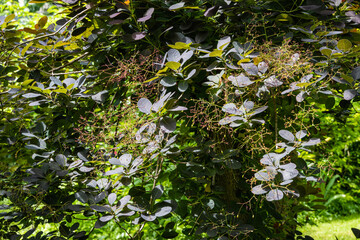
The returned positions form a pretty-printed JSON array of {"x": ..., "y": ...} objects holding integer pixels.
[
  {"x": 69, "y": 63},
  {"x": 66, "y": 73},
  {"x": 51, "y": 34},
  {"x": 123, "y": 229},
  {"x": 57, "y": 31}
]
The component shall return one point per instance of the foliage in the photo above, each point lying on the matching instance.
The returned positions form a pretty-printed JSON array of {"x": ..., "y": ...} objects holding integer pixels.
[
  {"x": 341, "y": 228},
  {"x": 171, "y": 119}
]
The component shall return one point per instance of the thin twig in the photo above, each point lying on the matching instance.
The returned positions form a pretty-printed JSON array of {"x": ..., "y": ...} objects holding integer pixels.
[
  {"x": 66, "y": 73},
  {"x": 50, "y": 34},
  {"x": 139, "y": 231},
  {"x": 72, "y": 61},
  {"x": 124, "y": 229}
]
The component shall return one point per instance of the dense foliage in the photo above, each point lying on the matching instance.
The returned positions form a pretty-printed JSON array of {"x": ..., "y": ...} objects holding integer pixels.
[{"x": 187, "y": 120}]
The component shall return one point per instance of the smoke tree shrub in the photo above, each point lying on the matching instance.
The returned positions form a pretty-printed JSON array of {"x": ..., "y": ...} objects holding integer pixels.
[{"x": 192, "y": 119}]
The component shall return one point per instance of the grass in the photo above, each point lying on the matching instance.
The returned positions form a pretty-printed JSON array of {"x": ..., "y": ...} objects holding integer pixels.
[{"x": 336, "y": 229}]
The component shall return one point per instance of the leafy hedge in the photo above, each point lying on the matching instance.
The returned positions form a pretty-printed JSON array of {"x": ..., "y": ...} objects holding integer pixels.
[{"x": 171, "y": 119}]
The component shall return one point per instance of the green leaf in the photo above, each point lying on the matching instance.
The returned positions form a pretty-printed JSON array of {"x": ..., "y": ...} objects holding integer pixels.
[
  {"x": 9, "y": 18},
  {"x": 216, "y": 53},
  {"x": 326, "y": 51},
  {"x": 173, "y": 65},
  {"x": 26, "y": 48},
  {"x": 303, "y": 84},
  {"x": 245, "y": 60},
  {"x": 42, "y": 22},
  {"x": 344, "y": 45},
  {"x": 347, "y": 78},
  {"x": 279, "y": 150},
  {"x": 60, "y": 90},
  {"x": 180, "y": 45}
]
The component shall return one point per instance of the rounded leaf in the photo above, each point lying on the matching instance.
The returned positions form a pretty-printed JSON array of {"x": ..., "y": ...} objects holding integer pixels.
[
  {"x": 258, "y": 190},
  {"x": 223, "y": 43},
  {"x": 147, "y": 15},
  {"x": 300, "y": 134},
  {"x": 350, "y": 94},
  {"x": 287, "y": 135},
  {"x": 144, "y": 105},
  {"x": 183, "y": 86},
  {"x": 138, "y": 35},
  {"x": 232, "y": 109},
  {"x": 240, "y": 81},
  {"x": 124, "y": 200},
  {"x": 272, "y": 81},
  {"x": 344, "y": 45},
  {"x": 81, "y": 196},
  {"x": 173, "y": 55},
  {"x": 274, "y": 195},
  {"x": 157, "y": 192},
  {"x": 112, "y": 198},
  {"x": 125, "y": 159},
  {"x": 168, "y": 81},
  {"x": 148, "y": 218},
  {"x": 250, "y": 68},
  {"x": 160, "y": 212},
  {"x": 263, "y": 67},
  {"x": 176, "y": 6},
  {"x": 168, "y": 124},
  {"x": 106, "y": 218},
  {"x": 61, "y": 160}
]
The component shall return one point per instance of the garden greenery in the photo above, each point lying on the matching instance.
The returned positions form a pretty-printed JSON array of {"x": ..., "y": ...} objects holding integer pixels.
[{"x": 185, "y": 120}]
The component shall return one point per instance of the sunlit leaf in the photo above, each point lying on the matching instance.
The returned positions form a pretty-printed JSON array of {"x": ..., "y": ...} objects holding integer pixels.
[
  {"x": 344, "y": 45},
  {"x": 173, "y": 65}
]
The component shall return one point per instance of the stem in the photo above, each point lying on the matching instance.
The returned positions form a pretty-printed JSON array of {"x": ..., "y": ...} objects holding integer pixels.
[
  {"x": 72, "y": 61},
  {"x": 124, "y": 229}
]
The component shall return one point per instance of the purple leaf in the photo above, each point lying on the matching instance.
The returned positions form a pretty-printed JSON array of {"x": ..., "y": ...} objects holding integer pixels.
[
  {"x": 250, "y": 68},
  {"x": 81, "y": 196},
  {"x": 311, "y": 142},
  {"x": 240, "y": 81},
  {"x": 223, "y": 43},
  {"x": 148, "y": 218},
  {"x": 138, "y": 35},
  {"x": 232, "y": 109},
  {"x": 258, "y": 190},
  {"x": 112, "y": 198},
  {"x": 144, "y": 105},
  {"x": 31, "y": 95},
  {"x": 272, "y": 81},
  {"x": 70, "y": 1},
  {"x": 160, "y": 212},
  {"x": 123, "y": 201},
  {"x": 116, "y": 21},
  {"x": 263, "y": 67},
  {"x": 176, "y": 6},
  {"x": 61, "y": 160},
  {"x": 147, "y": 15},
  {"x": 287, "y": 135},
  {"x": 300, "y": 134},
  {"x": 274, "y": 195},
  {"x": 101, "y": 196},
  {"x": 86, "y": 169},
  {"x": 173, "y": 55},
  {"x": 106, "y": 218},
  {"x": 350, "y": 94},
  {"x": 125, "y": 159},
  {"x": 178, "y": 109},
  {"x": 168, "y": 124},
  {"x": 211, "y": 11},
  {"x": 119, "y": 170}
]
